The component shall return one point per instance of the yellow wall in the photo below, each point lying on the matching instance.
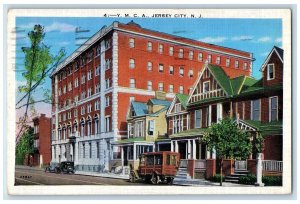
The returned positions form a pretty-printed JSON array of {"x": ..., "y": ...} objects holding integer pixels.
[{"x": 160, "y": 125}]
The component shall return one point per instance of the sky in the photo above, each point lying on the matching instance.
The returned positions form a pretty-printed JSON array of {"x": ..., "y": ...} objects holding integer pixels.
[{"x": 257, "y": 36}]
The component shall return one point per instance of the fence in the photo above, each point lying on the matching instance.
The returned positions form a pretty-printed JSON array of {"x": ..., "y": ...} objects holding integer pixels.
[
  {"x": 272, "y": 165},
  {"x": 240, "y": 165}
]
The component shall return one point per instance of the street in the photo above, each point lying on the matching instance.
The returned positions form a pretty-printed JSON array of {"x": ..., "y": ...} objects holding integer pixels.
[{"x": 34, "y": 176}]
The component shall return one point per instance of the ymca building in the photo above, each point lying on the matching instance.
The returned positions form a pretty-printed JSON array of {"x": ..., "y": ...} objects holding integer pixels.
[{"x": 92, "y": 89}]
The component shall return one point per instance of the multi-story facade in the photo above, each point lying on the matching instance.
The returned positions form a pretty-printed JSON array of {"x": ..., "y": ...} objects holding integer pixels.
[
  {"x": 256, "y": 106},
  {"x": 42, "y": 140},
  {"x": 92, "y": 89}
]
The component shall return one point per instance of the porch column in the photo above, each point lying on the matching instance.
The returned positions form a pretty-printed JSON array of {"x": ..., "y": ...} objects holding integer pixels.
[
  {"x": 172, "y": 146},
  {"x": 189, "y": 148},
  {"x": 207, "y": 154},
  {"x": 219, "y": 111},
  {"x": 176, "y": 146},
  {"x": 134, "y": 152},
  {"x": 122, "y": 156},
  {"x": 194, "y": 148},
  {"x": 76, "y": 153},
  {"x": 214, "y": 153},
  {"x": 209, "y": 115}
]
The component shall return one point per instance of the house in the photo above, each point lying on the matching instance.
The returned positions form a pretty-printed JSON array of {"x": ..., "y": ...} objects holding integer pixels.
[{"x": 146, "y": 125}]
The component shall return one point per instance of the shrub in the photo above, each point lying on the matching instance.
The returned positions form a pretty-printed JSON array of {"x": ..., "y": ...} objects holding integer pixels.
[
  {"x": 250, "y": 179},
  {"x": 217, "y": 178},
  {"x": 272, "y": 180}
]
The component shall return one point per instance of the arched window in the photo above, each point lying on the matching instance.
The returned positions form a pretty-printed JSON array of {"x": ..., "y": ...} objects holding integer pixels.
[
  {"x": 75, "y": 126},
  {"x": 82, "y": 127},
  {"x": 64, "y": 131},
  {"x": 59, "y": 132},
  {"x": 89, "y": 125},
  {"x": 69, "y": 129}
]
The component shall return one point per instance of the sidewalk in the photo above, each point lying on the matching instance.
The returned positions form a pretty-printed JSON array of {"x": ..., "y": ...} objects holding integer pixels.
[
  {"x": 35, "y": 168},
  {"x": 206, "y": 183},
  {"x": 104, "y": 175}
]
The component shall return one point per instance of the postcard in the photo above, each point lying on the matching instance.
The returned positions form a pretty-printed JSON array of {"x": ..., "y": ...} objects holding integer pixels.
[{"x": 149, "y": 101}]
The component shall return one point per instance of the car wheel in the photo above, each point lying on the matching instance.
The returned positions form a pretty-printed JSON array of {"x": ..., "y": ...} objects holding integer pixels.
[
  {"x": 154, "y": 179},
  {"x": 46, "y": 169}
]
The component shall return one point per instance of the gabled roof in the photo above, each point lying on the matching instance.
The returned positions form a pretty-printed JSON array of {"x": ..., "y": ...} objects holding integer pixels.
[
  {"x": 155, "y": 101},
  {"x": 183, "y": 99},
  {"x": 221, "y": 77},
  {"x": 190, "y": 133},
  {"x": 279, "y": 53},
  {"x": 139, "y": 108},
  {"x": 242, "y": 82},
  {"x": 274, "y": 127}
]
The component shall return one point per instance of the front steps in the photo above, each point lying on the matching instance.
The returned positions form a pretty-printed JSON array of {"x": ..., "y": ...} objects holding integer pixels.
[
  {"x": 183, "y": 178},
  {"x": 234, "y": 178}
]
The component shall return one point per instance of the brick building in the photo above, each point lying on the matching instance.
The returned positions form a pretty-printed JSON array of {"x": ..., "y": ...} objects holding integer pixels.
[
  {"x": 42, "y": 140},
  {"x": 93, "y": 87}
]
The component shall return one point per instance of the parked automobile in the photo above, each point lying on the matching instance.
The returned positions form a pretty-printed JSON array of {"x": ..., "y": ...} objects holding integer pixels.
[
  {"x": 63, "y": 167},
  {"x": 53, "y": 167},
  {"x": 156, "y": 167}
]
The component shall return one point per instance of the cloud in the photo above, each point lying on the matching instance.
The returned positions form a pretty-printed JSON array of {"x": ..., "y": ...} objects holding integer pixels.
[
  {"x": 213, "y": 39},
  {"x": 278, "y": 40},
  {"x": 63, "y": 43},
  {"x": 264, "y": 54},
  {"x": 264, "y": 39},
  {"x": 27, "y": 26},
  {"x": 242, "y": 38},
  {"x": 60, "y": 27}
]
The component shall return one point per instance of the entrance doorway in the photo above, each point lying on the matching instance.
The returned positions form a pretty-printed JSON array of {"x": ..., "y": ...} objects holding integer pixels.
[{"x": 182, "y": 149}]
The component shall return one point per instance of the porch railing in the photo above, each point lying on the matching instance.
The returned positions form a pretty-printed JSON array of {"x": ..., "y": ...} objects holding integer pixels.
[
  {"x": 240, "y": 165},
  {"x": 200, "y": 164},
  {"x": 272, "y": 165}
]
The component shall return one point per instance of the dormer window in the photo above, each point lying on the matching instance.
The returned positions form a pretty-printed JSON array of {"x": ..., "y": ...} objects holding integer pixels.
[
  {"x": 271, "y": 71},
  {"x": 205, "y": 86},
  {"x": 177, "y": 107}
]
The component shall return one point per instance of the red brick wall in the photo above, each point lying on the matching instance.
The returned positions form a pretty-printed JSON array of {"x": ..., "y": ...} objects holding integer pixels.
[
  {"x": 272, "y": 149},
  {"x": 191, "y": 167},
  {"x": 210, "y": 168},
  {"x": 251, "y": 166},
  {"x": 228, "y": 167}
]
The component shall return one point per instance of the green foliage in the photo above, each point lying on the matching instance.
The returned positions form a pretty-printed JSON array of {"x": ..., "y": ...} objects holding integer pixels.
[
  {"x": 228, "y": 140},
  {"x": 272, "y": 180},
  {"x": 250, "y": 179},
  {"x": 217, "y": 178},
  {"x": 259, "y": 142},
  {"x": 24, "y": 146}
]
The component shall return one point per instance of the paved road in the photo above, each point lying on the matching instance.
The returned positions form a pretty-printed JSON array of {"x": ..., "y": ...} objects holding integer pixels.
[{"x": 33, "y": 176}]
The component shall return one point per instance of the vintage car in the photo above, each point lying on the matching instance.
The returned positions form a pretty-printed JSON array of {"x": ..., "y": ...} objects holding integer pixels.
[
  {"x": 156, "y": 167},
  {"x": 63, "y": 167}
]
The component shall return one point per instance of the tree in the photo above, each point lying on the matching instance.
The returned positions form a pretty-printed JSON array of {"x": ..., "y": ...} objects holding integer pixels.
[
  {"x": 228, "y": 141},
  {"x": 24, "y": 146},
  {"x": 38, "y": 64}
]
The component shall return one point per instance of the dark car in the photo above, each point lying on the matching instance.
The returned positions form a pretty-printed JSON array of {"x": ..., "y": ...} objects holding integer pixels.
[
  {"x": 53, "y": 167},
  {"x": 63, "y": 167}
]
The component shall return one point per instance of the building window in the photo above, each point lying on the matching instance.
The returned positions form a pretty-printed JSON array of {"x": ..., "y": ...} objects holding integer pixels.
[
  {"x": 89, "y": 92},
  {"x": 131, "y": 42},
  {"x": 177, "y": 107},
  {"x": 197, "y": 118},
  {"x": 64, "y": 89},
  {"x": 180, "y": 53},
  {"x": 139, "y": 129},
  {"x": 107, "y": 124},
  {"x": 76, "y": 83},
  {"x": 200, "y": 56},
  {"x": 171, "y": 88},
  {"x": 132, "y": 83},
  {"x": 161, "y": 68},
  {"x": 255, "y": 110},
  {"x": 273, "y": 108},
  {"x": 107, "y": 83},
  {"x": 191, "y": 73},
  {"x": 171, "y": 70},
  {"x": 107, "y": 43},
  {"x": 97, "y": 71},
  {"x": 70, "y": 86},
  {"x": 82, "y": 79},
  {"x": 98, "y": 149},
  {"x": 59, "y": 91},
  {"x": 89, "y": 75},
  {"x": 89, "y": 108},
  {"x": 90, "y": 148},
  {"x": 218, "y": 60},
  {"x": 83, "y": 95},
  {"x": 191, "y": 55},
  {"x": 69, "y": 115},
  {"x": 149, "y": 66},
  {"x": 97, "y": 105},
  {"x": 75, "y": 113},
  {"x": 181, "y": 89},
  {"x": 131, "y": 63},
  {"x": 82, "y": 110},
  {"x": 97, "y": 88},
  {"x": 149, "y": 85},
  {"x": 149, "y": 46},
  {"x": 206, "y": 86},
  {"x": 227, "y": 62},
  {"x": 171, "y": 51},
  {"x": 76, "y": 98},
  {"x": 151, "y": 127},
  {"x": 245, "y": 65},
  {"x": 161, "y": 86},
  {"x": 209, "y": 58},
  {"x": 271, "y": 71},
  {"x": 160, "y": 48},
  {"x": 107, "y": 101},
  {"x": 177, "y": 124},
  {"x": 83, "y": 150},
  {"x": 181, "y": 71},
  {"x": 236, "y": 64},
  {"x": 98, "y": 50}
]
